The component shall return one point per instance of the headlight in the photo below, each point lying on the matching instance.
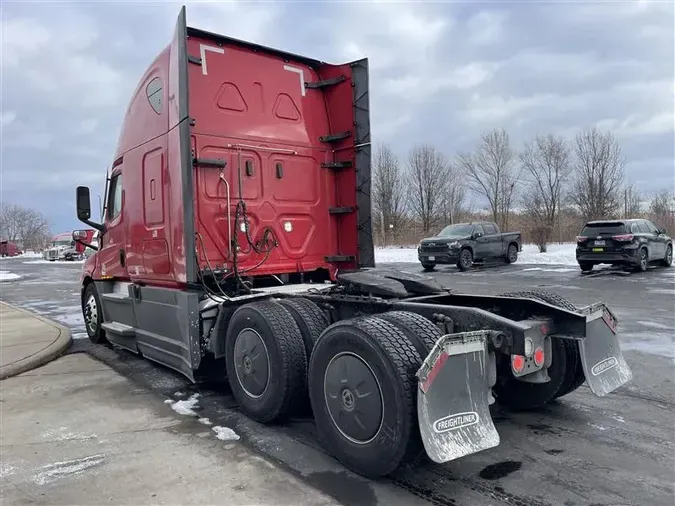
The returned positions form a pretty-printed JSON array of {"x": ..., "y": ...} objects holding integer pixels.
[{"x": 454, "y": 244}]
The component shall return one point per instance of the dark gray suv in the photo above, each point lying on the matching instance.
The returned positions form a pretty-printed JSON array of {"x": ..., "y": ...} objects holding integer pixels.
[{"x": 632, "y": 243}]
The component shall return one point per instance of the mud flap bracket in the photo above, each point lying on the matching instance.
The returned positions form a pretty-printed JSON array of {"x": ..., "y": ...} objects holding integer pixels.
[{"x": 453, "y": 402}]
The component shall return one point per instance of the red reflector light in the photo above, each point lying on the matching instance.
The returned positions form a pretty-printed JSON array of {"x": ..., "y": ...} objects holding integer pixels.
[
  {"x": 435, "y": 369},
  {"x": 518, "y": 363},
  {"x": 539, "y": 357},
  {"x": 623, "y": 237},
  {"x": 581, "y": 238}
]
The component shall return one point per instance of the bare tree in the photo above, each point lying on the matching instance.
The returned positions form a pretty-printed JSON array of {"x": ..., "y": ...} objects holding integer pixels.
[
  {"x": 546, "y": 164},
  {"x": 632, "y": 201},
  {"x": 454, "y": 194},
  {"x": 662, "y": 209},
  {"x": 429, "y": 176},
  {"x": 492, "y": 174},
  {"x": 22, "y": 225},
  {"x": 599, "y": 174},
  {"x": 388, "y": 192}
]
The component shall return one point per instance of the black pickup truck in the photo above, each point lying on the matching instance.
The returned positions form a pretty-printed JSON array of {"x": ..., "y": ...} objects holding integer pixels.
[{"x": 465, "y": 243}]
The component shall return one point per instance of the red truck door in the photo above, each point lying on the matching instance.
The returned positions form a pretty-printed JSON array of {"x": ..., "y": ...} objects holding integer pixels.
[{"x": 112, "y": 254}]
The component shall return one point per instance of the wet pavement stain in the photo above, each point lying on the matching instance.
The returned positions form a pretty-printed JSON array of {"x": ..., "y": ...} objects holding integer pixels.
[
  {"x": 500, "y": 470},
  {"x": 554, "y": 451},
  {"x": 348, "y": 490}
]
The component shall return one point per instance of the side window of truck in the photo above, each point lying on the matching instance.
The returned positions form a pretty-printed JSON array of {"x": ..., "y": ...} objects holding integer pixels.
[
  {"x": 154, "y": 93},
  {"x": 115, "y": 197},
  {"x": 490, "y": 229}
]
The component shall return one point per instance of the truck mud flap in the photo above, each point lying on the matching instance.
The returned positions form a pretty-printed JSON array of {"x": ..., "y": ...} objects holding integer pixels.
[
  {"x": 453, "y": 402},
  {"x": 604, "y": 365}
]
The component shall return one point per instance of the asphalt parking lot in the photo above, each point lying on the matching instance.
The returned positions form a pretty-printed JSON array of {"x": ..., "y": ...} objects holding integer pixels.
[{"x": 581, "y": 450}]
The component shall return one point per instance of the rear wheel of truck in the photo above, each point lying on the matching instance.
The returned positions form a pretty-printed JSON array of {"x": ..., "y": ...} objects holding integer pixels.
[
  {"x": 266, "y": 362},
  {"x": 512, "y": 254},
  {"x": 465, "y": 259},
  {"x": 92, "y": 314},
  {"x": 574, "y": 372},
  {"x": 363, "y": 391},
  {"x": 420, "y": 331},
  {"x": 309, "y": 317}
]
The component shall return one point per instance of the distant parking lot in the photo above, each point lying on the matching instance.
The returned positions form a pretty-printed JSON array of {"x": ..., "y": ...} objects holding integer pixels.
[{"x": 582, "y": 450}]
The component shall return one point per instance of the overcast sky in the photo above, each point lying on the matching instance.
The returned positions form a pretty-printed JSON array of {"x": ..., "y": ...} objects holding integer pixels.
[{"x": 440, "y": 72}]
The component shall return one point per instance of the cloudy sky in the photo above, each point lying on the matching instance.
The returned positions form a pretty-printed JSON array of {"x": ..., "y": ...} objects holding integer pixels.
[{"x": 441, "y": 72}]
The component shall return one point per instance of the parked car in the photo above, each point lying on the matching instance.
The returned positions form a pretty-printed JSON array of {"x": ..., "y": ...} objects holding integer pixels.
[
  {"x": 463, "y": 244},
  {"x": 631, "y": 243}
]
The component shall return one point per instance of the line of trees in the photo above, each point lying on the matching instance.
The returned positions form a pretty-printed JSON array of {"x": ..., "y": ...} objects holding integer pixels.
[
  {"x": 547, "y": 189},
  {"x": 25, "y": 227}
]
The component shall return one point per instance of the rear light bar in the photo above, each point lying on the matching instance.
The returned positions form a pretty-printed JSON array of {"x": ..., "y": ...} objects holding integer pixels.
[{"x": 623, "y": 237}]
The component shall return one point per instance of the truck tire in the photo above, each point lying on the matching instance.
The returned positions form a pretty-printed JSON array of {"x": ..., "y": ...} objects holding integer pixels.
[
  {"x": 92, "y": 314},
  {"x": 511, "y": 254},
  {"x": 465, "y": 260},
  {"x": 420, "y": 331},
  {"x": 574, "y": 372},
  {"x": 428, "y": 267},
  {"x": 309, "y": 317},
  {"x": 374, "y": 355},
  {"x": 522, "y": 396},
  {"x": 265, "y": 361}
]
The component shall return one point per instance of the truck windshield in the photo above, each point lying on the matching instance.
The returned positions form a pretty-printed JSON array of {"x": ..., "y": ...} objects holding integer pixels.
[
  {"x": 595, "y": 229},
  {"x": 459, "y": 230},
  {"x": 62, "y": 243}
]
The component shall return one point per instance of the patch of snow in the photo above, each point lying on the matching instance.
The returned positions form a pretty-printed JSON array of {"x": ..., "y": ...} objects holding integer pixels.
[
  {"x": 30, "y": 254},
  {"x": 184, "y": 407},
  {"x": 62, "y": 434},
  {"x": 596, "y": 426},
  {"x": 619, "y": 418},
  {"x": 6, "y": 469},
  {"x": 205, "y": 421},
  {"x": 179, "y": 394},
  {"x": 225, "y": 433},
  {"x": 653, "y": 325},
  {"x": 557, "y": 254},
  {"x": 56, "y": 262},
  {"x": 543, "y": 269},
  {"x": 8, "y": 276},
  {"x": 52, "y": 472},
  {"x": 395, "y": 255}
]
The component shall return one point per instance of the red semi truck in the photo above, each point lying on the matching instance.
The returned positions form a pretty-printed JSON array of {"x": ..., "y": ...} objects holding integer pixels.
[
  {"x": 9, "y": 249},
  {"x": 236, "y": 243}
]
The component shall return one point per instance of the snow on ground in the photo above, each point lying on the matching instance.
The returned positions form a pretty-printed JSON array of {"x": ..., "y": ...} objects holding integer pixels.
[
  {"x": 557, "y": 254},
  {"x": 184, "y": 407},
  {"x": 225, "y": 433},
  {"x": 55, "y": 262},
  {"x": 8, "y": 276},
  {"x": 29, "y": 254}
]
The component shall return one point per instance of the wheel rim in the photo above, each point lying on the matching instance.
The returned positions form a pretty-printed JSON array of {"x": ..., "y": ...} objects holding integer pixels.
[
  {"x": 251, "y": 363},
  {"x": 643, "y": 259},
  {"x": 669, "y": 255},
  {"x": 512, "y": 254},
  {"x": 91, "y": 314},
  {"x": 353, "y": 397},
  {"x": 466, "y": 258}
]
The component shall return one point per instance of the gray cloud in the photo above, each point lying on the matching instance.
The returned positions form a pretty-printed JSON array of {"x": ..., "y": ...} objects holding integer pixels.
[{"x": 440, "y": 73}]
